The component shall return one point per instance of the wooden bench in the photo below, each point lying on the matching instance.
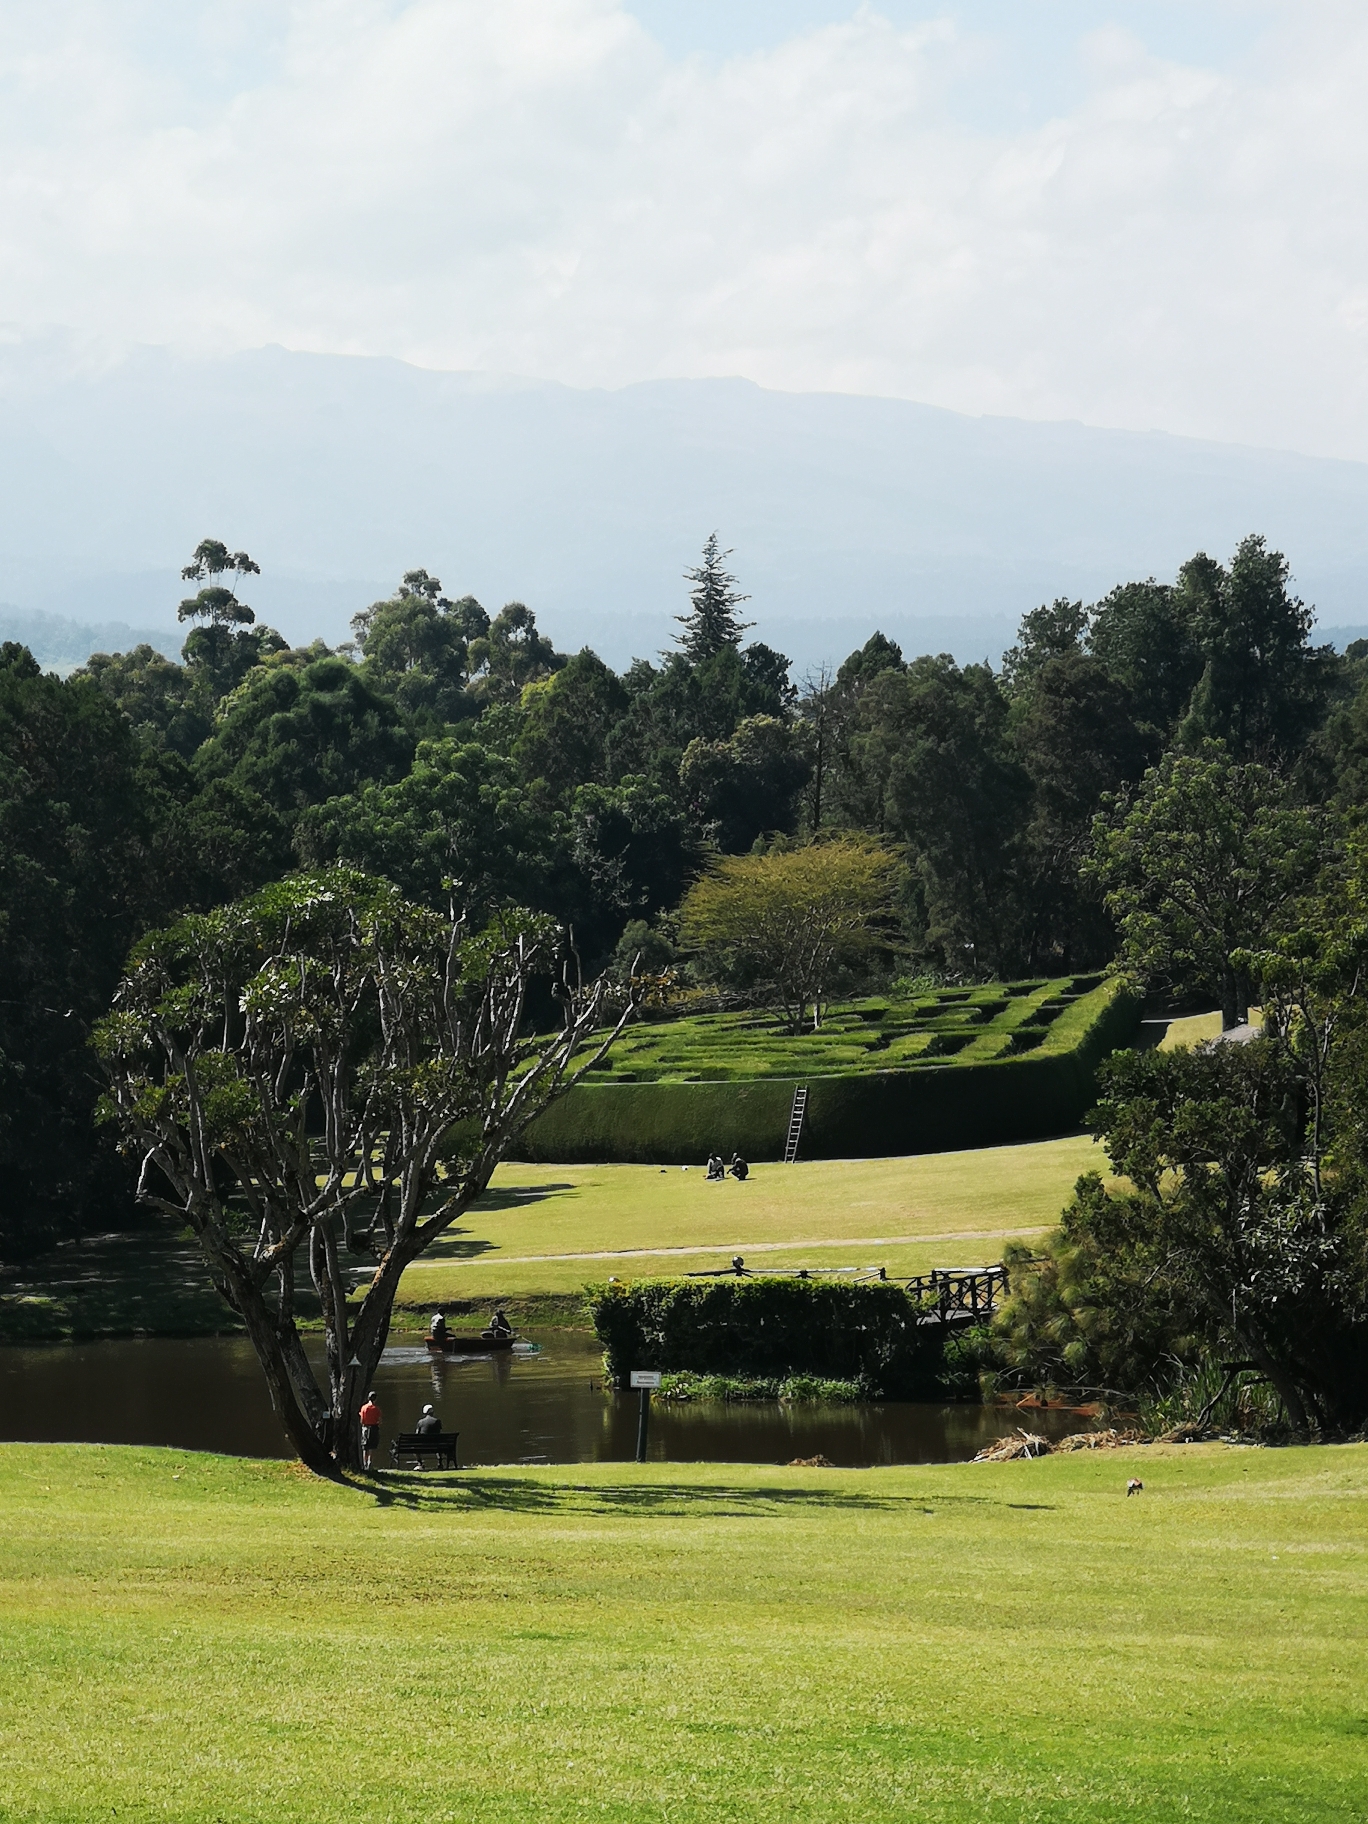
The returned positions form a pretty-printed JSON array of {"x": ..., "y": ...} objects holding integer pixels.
[{"x": 441, "y": 1446}]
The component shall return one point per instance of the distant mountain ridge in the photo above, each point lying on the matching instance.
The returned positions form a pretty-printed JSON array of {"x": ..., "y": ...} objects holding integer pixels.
[
  {"x": 60, "y": 644},
  {"x": 844, "y": 513}
]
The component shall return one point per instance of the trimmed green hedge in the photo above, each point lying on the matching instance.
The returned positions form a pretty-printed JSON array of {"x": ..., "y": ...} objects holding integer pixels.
[
  {"x": 771, "y": 1330},
  {"x": 865, "y": 1114},
  {"x": 684, "y": 1385}
]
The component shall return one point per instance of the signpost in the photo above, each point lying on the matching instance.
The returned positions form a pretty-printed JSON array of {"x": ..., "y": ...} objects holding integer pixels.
[{"x": 646, "y": 1379}]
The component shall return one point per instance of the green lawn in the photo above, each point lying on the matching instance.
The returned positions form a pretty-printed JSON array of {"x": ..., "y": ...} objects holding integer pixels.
[
  {"x": 960, "y": 1025},
  {"x": 1195, "y": 1028},
  {"x": 596, "y": 1220},
  {"x": 198, "y": 1638},
  {"x": 551, "y": 1228}
]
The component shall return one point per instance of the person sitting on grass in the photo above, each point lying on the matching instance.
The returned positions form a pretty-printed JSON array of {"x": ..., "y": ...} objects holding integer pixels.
[
  {"x": 738, "y": 1168},
  {"x": 429, "y": 1426},
  {"x": 716, "y": 1169},
  {"x": 499, "y": 1327}
]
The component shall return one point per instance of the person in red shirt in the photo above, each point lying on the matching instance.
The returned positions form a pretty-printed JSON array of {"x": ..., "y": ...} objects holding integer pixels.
[{"x": 370, "y": 1428}]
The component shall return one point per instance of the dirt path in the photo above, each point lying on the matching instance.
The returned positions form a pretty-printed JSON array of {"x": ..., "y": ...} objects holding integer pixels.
[{"x": 494, "y": 1258}]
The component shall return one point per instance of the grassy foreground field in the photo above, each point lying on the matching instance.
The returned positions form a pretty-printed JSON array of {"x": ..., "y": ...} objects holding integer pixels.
[
  {"x": 199, "y": 1638},
  {"x": 544, "y": 1229}
]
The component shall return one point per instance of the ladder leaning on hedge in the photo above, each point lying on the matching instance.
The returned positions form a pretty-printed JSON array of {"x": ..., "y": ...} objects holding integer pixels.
[{"x": 795, "y": 1123}]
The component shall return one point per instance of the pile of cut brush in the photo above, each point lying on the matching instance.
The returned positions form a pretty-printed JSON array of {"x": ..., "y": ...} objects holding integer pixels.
[
  {"x": 1030, "y": 1444},
  {"x": 1111, "y": 1439},
  {"x": 1015, "y": 1444}
]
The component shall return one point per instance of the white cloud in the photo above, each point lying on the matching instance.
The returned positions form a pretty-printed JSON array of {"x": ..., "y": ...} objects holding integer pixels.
[{"x": 535, "y": 187}]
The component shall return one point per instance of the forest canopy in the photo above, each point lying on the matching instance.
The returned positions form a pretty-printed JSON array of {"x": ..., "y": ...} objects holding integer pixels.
[{"x": 451, "y": 750}]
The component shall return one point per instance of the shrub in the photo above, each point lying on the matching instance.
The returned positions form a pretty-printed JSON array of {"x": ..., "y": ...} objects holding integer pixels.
[
  {"x": 802, "y": 1332},
  {"x": 797, "y": 1389}
]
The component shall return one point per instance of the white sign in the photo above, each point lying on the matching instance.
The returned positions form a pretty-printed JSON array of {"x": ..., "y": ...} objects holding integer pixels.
[{"x": 645, "y": 1377}]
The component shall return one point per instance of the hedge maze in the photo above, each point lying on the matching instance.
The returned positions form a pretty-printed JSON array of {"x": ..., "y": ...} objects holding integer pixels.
[
  {"x": 951, "y": 1025},
  {"x": 955, "y": 1068}
]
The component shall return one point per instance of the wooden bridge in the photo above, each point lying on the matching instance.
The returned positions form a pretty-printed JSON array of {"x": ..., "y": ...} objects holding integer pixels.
[
  {"x": 958, "y": 1295},
  {"x": 946, "y": 1295}
]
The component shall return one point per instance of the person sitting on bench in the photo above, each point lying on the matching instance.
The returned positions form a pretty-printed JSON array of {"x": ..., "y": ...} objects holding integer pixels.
[
  {"x": 738, "y": 1168},
  {"x": 429, "y": 1426},
  {"x": 716, "y": 1169},
  {"x": 437, "y": 1328},
  {"x": 499, "y": 1326}
]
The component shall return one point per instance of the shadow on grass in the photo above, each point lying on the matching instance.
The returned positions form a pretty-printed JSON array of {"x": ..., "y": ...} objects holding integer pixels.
[
  {"x": 461, "y": 1244},
  {"x": 149, "y": 1281},
  {"x": 518, "y": 1196},
  {"x": 476, "y": 1492},
  {"x": 457, "y": 1244}
]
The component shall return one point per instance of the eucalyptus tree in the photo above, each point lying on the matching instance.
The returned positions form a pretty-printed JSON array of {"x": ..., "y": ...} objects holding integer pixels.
[
  {"x": 228, "y": 645},
  {"x": 416, "y": 647},
  {"x": 216, "y": 602},
  {"x": 325, "y": 1061}
]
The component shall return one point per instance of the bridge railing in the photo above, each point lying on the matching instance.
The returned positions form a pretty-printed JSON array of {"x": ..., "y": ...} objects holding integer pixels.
[
  {"x": 946, "y": 1295},
  {"x": 958, "y": 1294}
]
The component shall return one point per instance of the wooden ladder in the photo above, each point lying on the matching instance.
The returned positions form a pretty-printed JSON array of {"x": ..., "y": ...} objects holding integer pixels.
[{"x": 795, "y": 1123}]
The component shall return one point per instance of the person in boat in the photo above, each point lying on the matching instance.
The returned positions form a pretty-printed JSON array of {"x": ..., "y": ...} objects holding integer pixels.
[
  {"x": 738, "y": 1168},
  {"x": 437, "y": 1328},
  {"x": 429, "y": 1426},
  {"x": 498, "y": 1327},
  {"x": 716, "y": 1169}
]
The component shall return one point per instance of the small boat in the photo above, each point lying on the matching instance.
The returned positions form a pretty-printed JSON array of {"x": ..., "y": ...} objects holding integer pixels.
[{"x": 451, "y": 1344}]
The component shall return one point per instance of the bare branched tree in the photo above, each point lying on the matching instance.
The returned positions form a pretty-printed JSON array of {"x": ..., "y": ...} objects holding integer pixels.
[{"x": 326, "y": 1058}]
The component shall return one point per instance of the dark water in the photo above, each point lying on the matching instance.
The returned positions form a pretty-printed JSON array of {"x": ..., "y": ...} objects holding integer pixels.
[{"x": 548, "y": 1406}]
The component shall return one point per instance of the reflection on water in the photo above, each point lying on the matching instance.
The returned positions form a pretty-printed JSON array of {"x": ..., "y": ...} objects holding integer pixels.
[{"x": 543, "y": 1405}]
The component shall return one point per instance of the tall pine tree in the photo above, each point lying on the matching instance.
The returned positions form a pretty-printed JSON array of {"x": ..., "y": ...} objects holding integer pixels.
[{"x": 711, "y": 622}]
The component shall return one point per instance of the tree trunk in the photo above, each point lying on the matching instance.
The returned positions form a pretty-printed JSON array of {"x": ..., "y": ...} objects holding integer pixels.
[
  {"x": 1241, "y": 998},
  {"x": 1230, "y": 1015},
  {"x": 265, "y": 1337},
  {"x": 1285, "y": 1387},
  {"x": 370, "y": 1333}
]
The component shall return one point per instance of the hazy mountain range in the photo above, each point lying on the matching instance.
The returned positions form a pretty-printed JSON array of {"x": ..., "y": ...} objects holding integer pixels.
[{"x": 338, "y": 473}]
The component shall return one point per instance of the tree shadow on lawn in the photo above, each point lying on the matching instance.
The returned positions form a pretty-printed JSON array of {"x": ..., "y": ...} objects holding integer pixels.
[
  {"x": 456, "y": 1244},
  {"x": 147, "y": 1280},
  {"x": 479, "y": 1493},
  {"x": 518, "y": 1196},
  {"x": 462, "y": 1244}
]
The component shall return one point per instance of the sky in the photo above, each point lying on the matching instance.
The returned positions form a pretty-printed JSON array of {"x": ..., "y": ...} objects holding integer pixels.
[{"x": 1143, "y": 216}]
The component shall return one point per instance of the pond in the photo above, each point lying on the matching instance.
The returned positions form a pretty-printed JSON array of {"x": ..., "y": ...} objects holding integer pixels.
[{"x": 544, "y": 1403}]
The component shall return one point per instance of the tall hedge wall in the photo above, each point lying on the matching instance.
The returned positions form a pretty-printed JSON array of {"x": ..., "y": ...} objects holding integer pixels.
[{"x": 863, "y": 1115}]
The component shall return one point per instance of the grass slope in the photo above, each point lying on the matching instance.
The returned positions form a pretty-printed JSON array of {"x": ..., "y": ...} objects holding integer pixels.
[
  {"x": 198, "y": 1638},
  {"x": 602, "y": 1219},
  {"x": 543, "y": 1229},
  {"x": 151, "y": 1281}
]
